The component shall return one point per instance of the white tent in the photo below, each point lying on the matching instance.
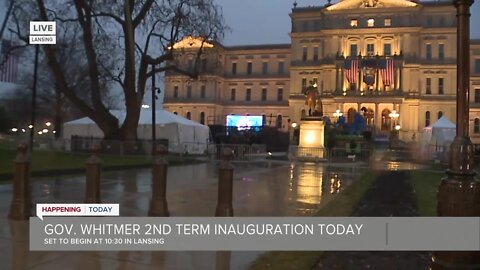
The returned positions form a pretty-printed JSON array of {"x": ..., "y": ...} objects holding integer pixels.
[
  {"x": 183, "y": 135},
  {"x": 438, "y": 137},
  {"x": 441, "y": 133}
]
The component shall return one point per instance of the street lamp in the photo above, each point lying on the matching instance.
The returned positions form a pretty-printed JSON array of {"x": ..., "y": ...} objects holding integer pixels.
[
  {"x": 294, "y": 125},
  {"x": 394, "y": 115},
  {"x": 459, "y": 192},
  {"x": 337, "y": 114},
  {"x": 48, "y": 124}
]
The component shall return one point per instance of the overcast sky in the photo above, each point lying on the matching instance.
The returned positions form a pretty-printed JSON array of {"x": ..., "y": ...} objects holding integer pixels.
[{"x": 267, "y": 21}]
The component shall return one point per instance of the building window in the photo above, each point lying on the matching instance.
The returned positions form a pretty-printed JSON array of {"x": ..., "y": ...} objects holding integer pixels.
[
  {"x": 388, "y": 22},
  {"x": 371, "y": 49},
  {"x": 371, "y": 22},
  {"x": 278, "y": 124},
  {"x": 440, "y": 114},
  {"x": 387, "y": 49},
  {"x": 232, "y": 94},
  {"x": 304, "y": 54},
  {"x": 234, "y": 68},
  {"x": 354, "y": 23},
  {"x": 264, "y": 68},
  {"x": 189, "y": 115},
  {"x": 353, "y": 50},
  {"x": 281, "y": 67},
  {"x": 315, "y": 54},
  {"x": 204, "y": 65},
  {"x": 248, "y": 94},
  {"x": 202, "y": 118},
  {"x": 202, "y": 91},
  {"x": 477, "y": 66},
  {"x": 190, "y": 64},
  {"x": 175, "y": 113},
  {"x": 476, "y": 125},
  {"x": 427, "y": 118},
  {"x": 264, "y": 120},
  {"x": 428, "y": 52},
  {"x": 264, "y": 94},
  {"x": 441, "y": 51},
  {"x": 189, "y": 91},
  {"x": 304, "y": 84},
  {"x": 249, "y": 68},
  {"x": 175, "y": 91},
  {"x": 440, "y": 86},
  {"x": 477, "y": 95},
  {"x": 428, "y": 88},
  {"x": 280, "y": 94}
]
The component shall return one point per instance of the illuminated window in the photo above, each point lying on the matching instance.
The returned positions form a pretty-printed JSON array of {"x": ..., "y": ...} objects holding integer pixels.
[
  {"x": 388, "y": 22},
  {"x": 370, "y": 22},
  {"x": 354, "y": 23}
]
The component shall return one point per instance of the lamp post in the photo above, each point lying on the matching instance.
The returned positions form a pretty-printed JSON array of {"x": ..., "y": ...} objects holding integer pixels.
[
  {"x": 34, "y": 97},
  {"x": 337, "y": 115},
  {"x": 459, "y": 192}
]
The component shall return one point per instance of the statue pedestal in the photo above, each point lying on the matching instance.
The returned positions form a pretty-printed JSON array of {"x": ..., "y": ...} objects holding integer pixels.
[{"x": 311, "y": 143}]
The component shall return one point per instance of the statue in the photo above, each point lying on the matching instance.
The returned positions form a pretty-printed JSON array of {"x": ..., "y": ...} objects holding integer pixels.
[{"x": 312, "y": 100}]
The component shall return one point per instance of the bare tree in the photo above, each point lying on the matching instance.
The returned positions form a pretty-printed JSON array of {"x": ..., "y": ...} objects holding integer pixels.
[
  {"x": 119, "y": 42},
  {"x": 3, "y": 25}
]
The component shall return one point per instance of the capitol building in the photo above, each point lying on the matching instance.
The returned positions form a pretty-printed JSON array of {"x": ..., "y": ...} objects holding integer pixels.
[{"x": 392, "y": 61}]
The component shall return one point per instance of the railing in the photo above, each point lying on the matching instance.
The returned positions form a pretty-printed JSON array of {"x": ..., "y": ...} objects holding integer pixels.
[{"x": 240, "y": 151}]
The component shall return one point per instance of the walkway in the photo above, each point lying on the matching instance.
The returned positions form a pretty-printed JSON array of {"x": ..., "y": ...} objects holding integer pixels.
[{"x": 261, "y": 189}]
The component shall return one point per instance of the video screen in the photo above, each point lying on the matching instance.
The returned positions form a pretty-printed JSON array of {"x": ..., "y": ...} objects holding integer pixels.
[{"x": 244, "y": 122}]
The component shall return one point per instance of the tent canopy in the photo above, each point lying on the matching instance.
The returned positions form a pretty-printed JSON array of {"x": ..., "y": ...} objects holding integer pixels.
[
  {"x": 183, "y": 135},
  {"x": 440, "y": 133}
]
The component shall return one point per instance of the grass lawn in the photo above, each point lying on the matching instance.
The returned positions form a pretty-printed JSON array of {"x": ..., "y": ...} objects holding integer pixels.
[
  {"x": 45, "y": 161},
  {"x": 425, "y": 185},
  {"x": 342, "y": 205}
]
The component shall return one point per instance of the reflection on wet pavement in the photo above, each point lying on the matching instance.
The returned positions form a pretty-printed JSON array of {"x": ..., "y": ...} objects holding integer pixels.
[{"x": 261, "y": 189}]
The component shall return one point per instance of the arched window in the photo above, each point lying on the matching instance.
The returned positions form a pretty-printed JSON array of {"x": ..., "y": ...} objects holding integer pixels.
[
  {"x": 202, "y": 118},
  {"x": 279, "y": 121},
  {"x": 386, "y": 120},
  {"x": 189, "y": 115},
  {"x": 440, "y": 114},
  {"x": 427, "y": 118},
  {"x": 476, "y": 125}
]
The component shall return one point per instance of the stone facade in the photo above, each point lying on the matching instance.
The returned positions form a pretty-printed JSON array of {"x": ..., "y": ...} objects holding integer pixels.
[{"x": 372, "y": 57}]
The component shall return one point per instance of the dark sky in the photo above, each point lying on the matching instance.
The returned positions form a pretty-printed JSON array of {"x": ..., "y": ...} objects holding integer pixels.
[{"x": 267, "y": 21}]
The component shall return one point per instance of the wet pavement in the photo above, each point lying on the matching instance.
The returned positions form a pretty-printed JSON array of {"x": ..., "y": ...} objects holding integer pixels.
[
  {"x": 260, "y": 189},
  {"x": 390, "y": 195}
]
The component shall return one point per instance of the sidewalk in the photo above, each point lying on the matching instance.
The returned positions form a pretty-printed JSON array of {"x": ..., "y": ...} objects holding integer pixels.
[
  {"x": 261, "y": 189},
  {"x": 390, "y": 195}
]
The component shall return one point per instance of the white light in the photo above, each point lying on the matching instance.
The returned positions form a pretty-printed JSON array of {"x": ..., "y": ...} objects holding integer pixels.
[
  {"x": 337, "y": 113},
  {"x": 30, "y": 126},
  {"x": 23, "y": 130},
  {"x": 269, "y": 153},
  {"x": 40, "y": 133},
  {"x": 48, "y": 124},
  {"x": 397, "y": 127},
  {"x": 14, "y": 129},
  {"x": 294, "y": 125},
  {"x": 54, "y": 131},
  {"x": 145, "y": 106},
  {"x": 394, "y": 114},
  {"x": 45, "y": 130}
]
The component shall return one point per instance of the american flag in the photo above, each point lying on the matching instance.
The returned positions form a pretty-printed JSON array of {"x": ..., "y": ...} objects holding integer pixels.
[
  {"x": 351, "y": 67},
  {"x": 8, "y": 63},
  {"x": 387, "y": 73}
]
